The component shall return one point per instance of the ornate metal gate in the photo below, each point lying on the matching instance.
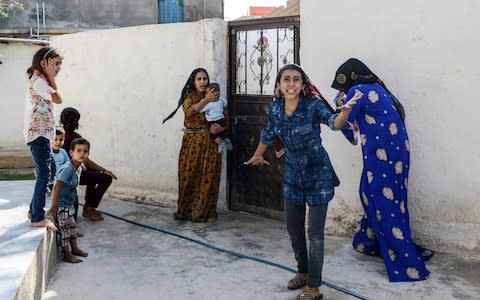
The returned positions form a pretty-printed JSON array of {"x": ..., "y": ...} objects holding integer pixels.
[{"x": 258, "y": 49}]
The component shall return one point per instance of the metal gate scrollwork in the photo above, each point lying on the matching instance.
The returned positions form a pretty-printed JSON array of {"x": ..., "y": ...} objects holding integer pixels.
[
  {"x": 258, "y": 49},
  {"x": 258, "y": 56}
]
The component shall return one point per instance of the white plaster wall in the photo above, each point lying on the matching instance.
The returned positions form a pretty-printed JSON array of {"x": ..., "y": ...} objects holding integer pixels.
[
  {"x": 427, "y": 54},
  {"x": 124, "y": 82},
  {"x": 16, "y": 58}
]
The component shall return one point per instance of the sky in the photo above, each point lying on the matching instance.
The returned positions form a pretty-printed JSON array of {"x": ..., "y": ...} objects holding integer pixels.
[{"x": 238, "y": 8}]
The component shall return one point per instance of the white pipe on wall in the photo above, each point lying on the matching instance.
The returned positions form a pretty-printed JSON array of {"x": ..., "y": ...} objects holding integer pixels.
[
  {"x": 38, "y": 21},
  {"x": 26, "y": 41},
  {"x": 43, "y": 14}
]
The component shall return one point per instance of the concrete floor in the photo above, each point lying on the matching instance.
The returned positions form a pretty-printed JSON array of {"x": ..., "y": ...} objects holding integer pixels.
[{"x": 127, "y": 261}]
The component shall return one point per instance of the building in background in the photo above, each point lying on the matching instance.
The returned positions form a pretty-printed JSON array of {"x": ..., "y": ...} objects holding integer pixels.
[
  {"x": 260, "y": 11},
  {"x": 291, "y": 9},
  {"x": 40, "y": 19}
]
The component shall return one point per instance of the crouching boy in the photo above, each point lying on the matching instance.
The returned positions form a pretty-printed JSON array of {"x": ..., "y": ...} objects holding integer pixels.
[{"x": 63, "y": 197}]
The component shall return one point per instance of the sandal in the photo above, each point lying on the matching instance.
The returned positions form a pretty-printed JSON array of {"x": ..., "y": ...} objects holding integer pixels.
[
  {"x": 299, "y": 281},
  {"x": 308, "y": 296}
]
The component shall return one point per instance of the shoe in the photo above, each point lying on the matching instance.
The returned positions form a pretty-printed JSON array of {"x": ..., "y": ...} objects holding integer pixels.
[
  {"x": 90, "y": 213},
  {"x": 308, "y": 296},
  {"x": 299, "y": 281},
  {"x": 221, "y": 146},
  {"x": 228, "y": 144}
]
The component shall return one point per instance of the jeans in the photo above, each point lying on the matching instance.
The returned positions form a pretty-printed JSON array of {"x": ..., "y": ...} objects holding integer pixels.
[
  {"x": 310, "y": 262},
  {"x": 42, "y": 157}
]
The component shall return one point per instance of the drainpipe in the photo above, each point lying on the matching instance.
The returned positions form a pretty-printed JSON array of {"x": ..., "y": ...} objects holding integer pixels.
[
  {"x": 43, "y": 14},
  {"x": 38, "y": 22},
  {"x": 204, "y": 9},
  {"x": 26, "y": 41}
]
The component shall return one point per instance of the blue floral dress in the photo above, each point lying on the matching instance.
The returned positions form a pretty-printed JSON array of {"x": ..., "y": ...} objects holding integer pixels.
[{"x": 384, "y": 228}]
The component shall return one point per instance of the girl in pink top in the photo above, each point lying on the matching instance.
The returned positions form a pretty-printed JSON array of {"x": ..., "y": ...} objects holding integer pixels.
[{"x": 39, "y": 126}]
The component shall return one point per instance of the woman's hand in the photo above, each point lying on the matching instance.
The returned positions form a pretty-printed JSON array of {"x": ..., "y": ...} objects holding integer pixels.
[
  {"x": 256, "y": 160},
  {"x": 348, "y": 107},
  {"x": 215, "y": 128},
  {"x": 212, "y": 95}
]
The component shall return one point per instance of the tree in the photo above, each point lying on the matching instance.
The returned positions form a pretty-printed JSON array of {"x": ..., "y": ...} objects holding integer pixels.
[{"x": 6, "y": 6}]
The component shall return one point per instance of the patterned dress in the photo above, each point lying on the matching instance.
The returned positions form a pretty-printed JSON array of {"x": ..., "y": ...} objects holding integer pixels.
[
  {"x": 198, "y": 168},
  {"x": 384, "y": 229}
]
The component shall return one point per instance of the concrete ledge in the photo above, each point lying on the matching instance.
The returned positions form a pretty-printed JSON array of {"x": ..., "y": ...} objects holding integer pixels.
[
  {"x": 28, "y": 255},
  {"x": 41, "y": 269}
]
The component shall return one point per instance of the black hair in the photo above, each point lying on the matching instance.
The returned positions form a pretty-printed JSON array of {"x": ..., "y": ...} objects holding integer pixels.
[
  {"x": 41, "y": 54},
  {"x": 58, "y": 132},
  {"x": 79, "y": 141},
  {"x": 213, "y": 85},
  {"x": 297, "y": 68},
  {"x": 187, "y": 88},
  {"x": 69, "y": 119}
]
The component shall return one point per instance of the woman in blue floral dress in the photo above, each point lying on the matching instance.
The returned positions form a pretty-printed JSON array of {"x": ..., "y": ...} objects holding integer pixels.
[{"x": 384, "y": 228}]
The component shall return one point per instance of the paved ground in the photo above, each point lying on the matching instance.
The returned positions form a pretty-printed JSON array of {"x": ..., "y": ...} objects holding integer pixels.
[{"x": 127, "y": 261}]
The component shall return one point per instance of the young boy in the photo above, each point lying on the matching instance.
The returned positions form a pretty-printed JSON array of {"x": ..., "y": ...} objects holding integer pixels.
[
  {"x": 60, "y": 156},
  {"x": 214, "y": 114},
  {"x": 63, "y": 197}
]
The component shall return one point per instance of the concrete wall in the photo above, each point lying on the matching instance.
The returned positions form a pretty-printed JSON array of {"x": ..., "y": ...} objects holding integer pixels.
[
  {"x": 124, "y": 82},
  {"x": 16, "y": 58},
  {"x": 84, "y": 14},
  {"x": 426, "y": 52},
  {"x": 81, "y": 14}
]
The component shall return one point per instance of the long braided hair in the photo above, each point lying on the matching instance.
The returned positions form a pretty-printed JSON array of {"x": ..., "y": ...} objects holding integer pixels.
[{"x": 187, "y": 88}]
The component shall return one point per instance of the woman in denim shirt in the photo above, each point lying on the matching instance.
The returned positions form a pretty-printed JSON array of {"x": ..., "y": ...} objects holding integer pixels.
[{"x": 309, "y": 178}]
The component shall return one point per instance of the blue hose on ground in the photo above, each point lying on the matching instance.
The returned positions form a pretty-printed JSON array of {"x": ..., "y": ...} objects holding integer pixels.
[{"x": 233, "y": 253}]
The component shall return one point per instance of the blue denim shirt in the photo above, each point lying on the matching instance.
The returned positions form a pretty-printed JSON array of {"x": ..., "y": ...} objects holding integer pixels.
[{"x": 308, "y": 174}]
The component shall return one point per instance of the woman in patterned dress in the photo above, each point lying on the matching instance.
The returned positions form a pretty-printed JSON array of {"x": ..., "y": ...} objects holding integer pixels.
[
  {"x": 384, "y": 228},
  {"x": 199, "y": 161}
]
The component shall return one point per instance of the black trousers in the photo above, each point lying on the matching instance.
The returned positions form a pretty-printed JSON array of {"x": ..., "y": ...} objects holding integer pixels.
[{"x": 97, "y": 184}]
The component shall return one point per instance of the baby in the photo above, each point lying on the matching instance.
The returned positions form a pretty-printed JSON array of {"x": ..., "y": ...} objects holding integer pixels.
[{"x": 214, "y": 114}]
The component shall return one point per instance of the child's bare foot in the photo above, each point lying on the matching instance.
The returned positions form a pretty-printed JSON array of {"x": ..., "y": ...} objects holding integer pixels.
[
  {"x": 79, "y": 234},
  {"x": 212, "y": 220},
  {"x": 72, "y": 259},
  {"x": 79, "y": 252},
  {"x": 44, "y": 223}
]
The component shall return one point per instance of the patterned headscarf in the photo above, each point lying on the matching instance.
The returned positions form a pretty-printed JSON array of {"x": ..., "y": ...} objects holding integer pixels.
[
  {"x": 354, "y": 72},
  {"x": 351, "y": 73},
  {"x": 310, "y": 90},
  {"x": 187, "y": 88}
]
